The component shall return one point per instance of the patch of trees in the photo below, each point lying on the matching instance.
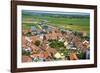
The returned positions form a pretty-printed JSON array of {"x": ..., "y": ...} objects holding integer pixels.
[{"x": 56, "y": 44}]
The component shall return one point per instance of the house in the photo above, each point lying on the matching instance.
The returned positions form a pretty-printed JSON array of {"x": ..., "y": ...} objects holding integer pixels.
[
  {"x": 74, "y": 48},
  {"x": 45, "y": 27},
  {"x": 27, "y": 49},
  {"x": 85, "y": 42},
  {"x": 34, "y": 38},
  {"x": 69, "y": 46},
  {"x": 24, "y": 32},
  {"x": 57, "y": 55},
  {"x": 33, "y": 28},
  {"x": 78, "y": 45},
  {"x": 34, "y": 47},
  {"x": 26, "y": 59},
  {"x": 43, "y": 22},
  {"x": 53, "y": 34},
  {"x": 87, "y": 56},
  {"x": 73, "y": 56},
  {"x": 28, "y": 39},
  {"x": 84, "y": 34},
  {"x": 86, "y": 45},
  {"x": 76, "y": 39},
  {"x": 66, "y": 43},
  {"x": 41, "y": 36},
  {"x": 42, "y": 55},
  {"x": 24, "y": 42},
  {"x": 70, "y": 37},
  {"x": 45, "y": 54},
  {"x": 44, "y": 46},
  {"x": 61, "y": 39},
  {"x": 52, "y": 51}
]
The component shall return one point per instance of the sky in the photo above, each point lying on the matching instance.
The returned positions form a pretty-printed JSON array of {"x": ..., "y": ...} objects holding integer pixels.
[{"x": 53, "y": 12}]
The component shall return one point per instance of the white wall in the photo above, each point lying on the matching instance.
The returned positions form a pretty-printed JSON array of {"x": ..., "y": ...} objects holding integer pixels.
[{"x": 5, "y": 36}]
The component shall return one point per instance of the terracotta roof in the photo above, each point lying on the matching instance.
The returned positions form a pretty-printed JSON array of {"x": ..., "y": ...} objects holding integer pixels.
[
  {"x": 26, "y": 59},
  {"x": 72, "y": 56}
]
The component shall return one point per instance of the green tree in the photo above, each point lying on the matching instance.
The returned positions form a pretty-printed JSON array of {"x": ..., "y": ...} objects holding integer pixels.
[
  {"x": 37, "y": 43},
  {"x": 56, "y": 44}
]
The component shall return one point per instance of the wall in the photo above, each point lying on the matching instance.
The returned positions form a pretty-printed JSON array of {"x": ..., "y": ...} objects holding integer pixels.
[{"x": 5, "y": 36}]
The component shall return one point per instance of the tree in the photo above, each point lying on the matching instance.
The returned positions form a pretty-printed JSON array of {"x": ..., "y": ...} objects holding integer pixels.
[
  {"x": 26, "y": 53},
  {"x": 37, "y": 43},
  {"x": 56, "y": 44}
]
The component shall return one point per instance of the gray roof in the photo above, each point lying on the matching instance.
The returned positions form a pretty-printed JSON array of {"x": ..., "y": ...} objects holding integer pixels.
[{"x": 33, "y": 28}]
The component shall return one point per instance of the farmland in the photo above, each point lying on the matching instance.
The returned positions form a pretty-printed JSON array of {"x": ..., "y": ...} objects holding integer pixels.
[{"x": 72, "y": 23}]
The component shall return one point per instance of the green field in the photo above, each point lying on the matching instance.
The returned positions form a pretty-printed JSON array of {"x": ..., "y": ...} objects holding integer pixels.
[{"x": 75, "y": 24}]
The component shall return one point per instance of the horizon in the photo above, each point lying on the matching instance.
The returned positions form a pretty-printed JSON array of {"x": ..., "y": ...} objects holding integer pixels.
[{"x": 53, "y": 12}]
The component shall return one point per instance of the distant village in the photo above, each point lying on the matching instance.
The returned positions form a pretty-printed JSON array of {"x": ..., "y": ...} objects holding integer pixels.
[{"x": 52, "y": 43}]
